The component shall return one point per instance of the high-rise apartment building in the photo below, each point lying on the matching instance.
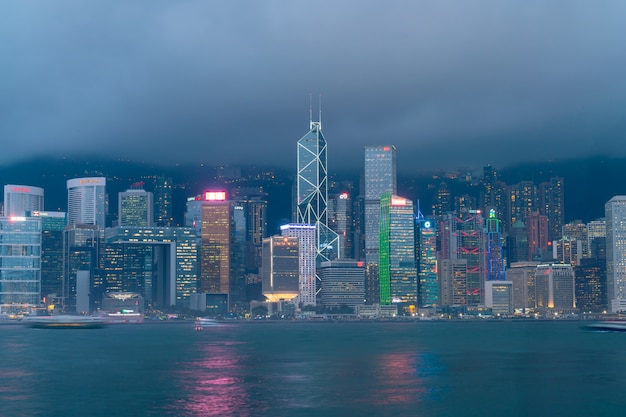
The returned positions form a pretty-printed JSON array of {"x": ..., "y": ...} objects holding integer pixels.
[
  {"x": 86, "y": 201},
  {"x": 537, "y": 229},
  {"x": 20, "y": 257},
  {"x": 567, "y": 251},
  {"x": 577, "y": 230},
  {"x": 22, "y": 199},
  {"x": 135, "y": 208},
  {"x": 615, "y": 215},
  {"x": 397, "y": 265},
  {"x": 551, "y": 204},
  {"x": 380, "y": 178},
  {"x": 280, "y": 277},
  {"x": 306, "y": 235}
]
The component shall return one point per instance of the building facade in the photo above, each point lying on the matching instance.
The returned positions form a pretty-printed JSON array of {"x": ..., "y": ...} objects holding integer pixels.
[
  {"x": 22, "y": 199},
  {"x": 379, "y": 178},
  {"x": 86, "y": 201}
]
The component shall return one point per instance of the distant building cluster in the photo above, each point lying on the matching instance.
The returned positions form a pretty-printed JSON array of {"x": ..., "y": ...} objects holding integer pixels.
[{"x": 501, "y": 250}]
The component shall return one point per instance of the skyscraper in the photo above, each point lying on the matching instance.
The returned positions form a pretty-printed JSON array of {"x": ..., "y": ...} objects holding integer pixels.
[
  {"x": 20, "y": 257},
  {"x": 554, "y": 288},
  {"x": 135, "y": 208},
  {"x": 86, "y": 201},
  {"x": 306, "y": 244},
  {"x": 160, "y": 263},
  {"x": 428, "y": 291},
  {"x": 551, "y": 204},
  {"x": 342, "y": 284},
  {"x": 280, "y": 268},
  {"x": 615, "y": 214},
  {"x": 312, "y": 191},
  {"x": 22, "y": 199},
  {"x": 216, "y": 239},
  {"x": 496, "y": 269},
  {"x": 380, "y": 178},
  {"x": 52, "y": 226},
  {"x": 397, "y": 266}
]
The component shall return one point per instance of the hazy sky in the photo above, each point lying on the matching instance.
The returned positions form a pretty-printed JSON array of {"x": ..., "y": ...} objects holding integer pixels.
[{"x": 448, "y": 82}]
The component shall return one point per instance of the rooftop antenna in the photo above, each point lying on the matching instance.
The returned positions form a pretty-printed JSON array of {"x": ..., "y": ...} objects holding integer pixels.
[
  {"x": 310, "y": 110},
  {"x": 320, "y": 106},
  {"x": 419, "y": 215}
]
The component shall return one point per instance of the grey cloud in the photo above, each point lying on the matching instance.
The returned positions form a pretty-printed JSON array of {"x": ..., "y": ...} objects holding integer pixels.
[{"x": 229, "y": 82}]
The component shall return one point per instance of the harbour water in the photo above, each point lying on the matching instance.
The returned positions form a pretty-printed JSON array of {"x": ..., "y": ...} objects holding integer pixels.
[{"x": 446, "y": 368}]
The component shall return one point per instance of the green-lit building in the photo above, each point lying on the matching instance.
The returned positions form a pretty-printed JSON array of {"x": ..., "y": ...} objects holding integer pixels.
[{"x": 397, "y": 264}]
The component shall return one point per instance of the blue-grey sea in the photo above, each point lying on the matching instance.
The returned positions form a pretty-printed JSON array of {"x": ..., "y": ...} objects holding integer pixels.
[{"x": 443, "y": 368}]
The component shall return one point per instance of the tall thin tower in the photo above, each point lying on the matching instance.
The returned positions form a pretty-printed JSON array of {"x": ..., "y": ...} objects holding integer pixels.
[
  {"x": 380, "y": 178},
  {"x": 312, "y": 190}
]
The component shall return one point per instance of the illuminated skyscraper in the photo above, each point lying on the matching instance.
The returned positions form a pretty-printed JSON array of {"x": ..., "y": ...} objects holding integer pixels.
[
  {"x": 280, "y": 268},
  {"x": 615, "y": 214},
  {"x": 428, "y": 288},
  {"x": 397, "y": 266},
  {"x": 20, "y": 257},
  {"x": 340, "y": 220},
  {"x": 343, "y": 283},
  {"x": 306, "y": 244},
  {"x": 52, "y": 226},
  {"x": 554, "y": 288},
  {"x": 537, "y": 229},
  {"x": 312, "y": 191},
  {"x": 590, "y": 278},
  {"x": 22, "y": 199},
  {"x": 160, "y": 263},
  {"x": 380, "y": 178},
  {"x": 496, "y": 269},
  {"x": 551, "y": 204},
  {"x": 135, "y": 208},
  {"x": 215, "y": 249},
  {"x": 86, "y": 201},
  {"x": 471, "y": 246},
  {"x": 522, "y": 200},
  {"x": 595, "y": 229}
]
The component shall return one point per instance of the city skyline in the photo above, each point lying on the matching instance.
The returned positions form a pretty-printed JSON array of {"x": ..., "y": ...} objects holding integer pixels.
[{"x": 450, "y": 84}]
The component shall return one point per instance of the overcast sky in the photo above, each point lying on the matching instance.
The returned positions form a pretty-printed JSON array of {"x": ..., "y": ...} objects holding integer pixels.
[{"x": 448, "y": 82}]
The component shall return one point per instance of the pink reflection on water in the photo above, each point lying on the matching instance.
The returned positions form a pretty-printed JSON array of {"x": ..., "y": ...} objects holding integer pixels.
[
  {"x": 398, "y": 380},
  {"x": 214, "y": 383}
]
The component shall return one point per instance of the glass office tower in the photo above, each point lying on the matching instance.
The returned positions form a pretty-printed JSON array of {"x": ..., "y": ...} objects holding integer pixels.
[
  {"x": 397, "y": 266},
  {"x": 20, "y": 257},
  {"x": 380, "y": 178}
]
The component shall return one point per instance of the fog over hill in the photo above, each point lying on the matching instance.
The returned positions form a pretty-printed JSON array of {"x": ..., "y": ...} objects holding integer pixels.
[{"x": 589, "y": 182}]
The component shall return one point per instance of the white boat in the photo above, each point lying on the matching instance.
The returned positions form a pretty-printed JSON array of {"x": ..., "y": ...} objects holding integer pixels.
[
  {"x": 63, "y": 322},
  {"x": 203, "y": 322},
  {"x": 608, "y": 325}
]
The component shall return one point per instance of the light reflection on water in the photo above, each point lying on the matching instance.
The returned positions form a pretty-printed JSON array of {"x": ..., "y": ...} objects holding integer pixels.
[
  {"x": 214, "y": 383},
  {"x": 279, "y": 375}
]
